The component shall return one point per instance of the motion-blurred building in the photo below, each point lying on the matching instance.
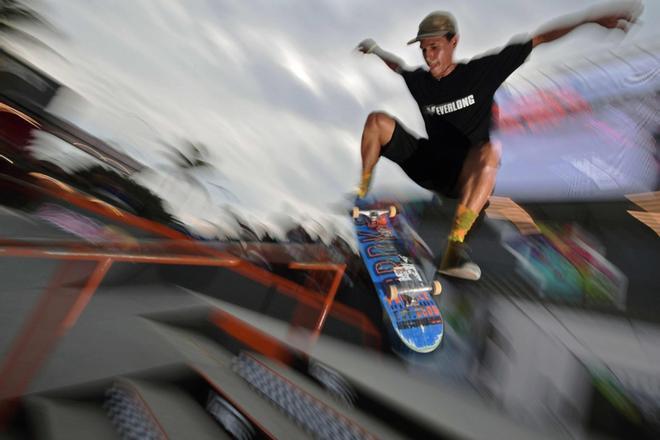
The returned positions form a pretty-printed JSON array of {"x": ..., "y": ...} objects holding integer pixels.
[{"x": 587, "y": 129}]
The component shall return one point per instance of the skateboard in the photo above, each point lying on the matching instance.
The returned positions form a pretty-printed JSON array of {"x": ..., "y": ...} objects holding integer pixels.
[{"x": 402, "y": 288}]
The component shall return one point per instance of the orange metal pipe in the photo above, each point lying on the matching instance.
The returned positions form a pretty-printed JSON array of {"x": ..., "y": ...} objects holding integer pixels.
[
  {"x": 85, "y": 295},
  {"x": 212, "y": 257},
  {"x": 330, "y": 298},
  {"x": 54, "y": 314},
  {"x": 250, "y": 336}
]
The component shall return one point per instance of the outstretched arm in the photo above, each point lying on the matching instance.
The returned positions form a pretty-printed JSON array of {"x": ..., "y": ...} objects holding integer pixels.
[
  {"x": 619, "y": 15},
  {"x": 393, "y": 62}
]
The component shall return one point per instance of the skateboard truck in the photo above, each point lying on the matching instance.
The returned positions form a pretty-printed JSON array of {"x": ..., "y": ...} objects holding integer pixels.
[
  {"x": 391, "y": 212},
  {"x": 394, "y": 292}
]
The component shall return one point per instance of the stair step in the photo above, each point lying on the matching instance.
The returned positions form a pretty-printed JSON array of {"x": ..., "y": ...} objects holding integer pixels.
[
  {"x": 307, "y": 402},
  {"x": 176, "y": 411},
  {"x": 246, "y": 400},
  {"x": 194, "y": 346},
  {"x": 67, "y": 419},
  {"x": 214, "y": 363}
]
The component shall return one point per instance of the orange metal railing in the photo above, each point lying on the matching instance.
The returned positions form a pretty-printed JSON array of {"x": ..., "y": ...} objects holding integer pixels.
[{"x": 59, "y": 308}]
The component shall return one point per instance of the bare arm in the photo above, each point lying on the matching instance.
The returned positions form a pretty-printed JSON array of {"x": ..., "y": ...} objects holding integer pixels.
[
  {"x": 393, "y": 62},
  {"x": 619, "y": 15}
]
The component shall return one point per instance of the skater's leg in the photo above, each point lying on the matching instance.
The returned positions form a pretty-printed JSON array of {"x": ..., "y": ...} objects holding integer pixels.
[
  {"x": 476, "y": 184},
  {"x": 477, "y": 179},
  {"x": 377, "y": 132}
]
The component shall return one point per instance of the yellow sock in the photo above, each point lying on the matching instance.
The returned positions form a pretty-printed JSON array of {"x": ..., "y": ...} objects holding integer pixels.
[
  {"x": 364, "y": 184},
  {"x": 463, "y": 221}
]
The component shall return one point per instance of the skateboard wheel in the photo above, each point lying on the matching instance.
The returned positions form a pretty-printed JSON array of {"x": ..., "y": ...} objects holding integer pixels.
[
  {"x": 392, "y": 211},
  {"x": 394, "y": 292},
  {"x": 437, "y": 287},
  {"x": 356, "y": 212}
]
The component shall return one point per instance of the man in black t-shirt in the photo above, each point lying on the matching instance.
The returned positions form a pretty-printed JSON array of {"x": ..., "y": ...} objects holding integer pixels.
[{"x": 458, "y": 159}]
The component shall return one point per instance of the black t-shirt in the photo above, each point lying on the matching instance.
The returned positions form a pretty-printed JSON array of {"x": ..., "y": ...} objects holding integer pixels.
[{"x": 457, "y": 108}]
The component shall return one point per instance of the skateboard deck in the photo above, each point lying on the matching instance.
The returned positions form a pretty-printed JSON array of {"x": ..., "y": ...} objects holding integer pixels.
[{"x": 402, "y": 288}]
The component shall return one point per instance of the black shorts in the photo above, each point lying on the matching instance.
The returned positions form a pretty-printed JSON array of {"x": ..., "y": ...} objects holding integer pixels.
[{"x": 432, "y": 166}]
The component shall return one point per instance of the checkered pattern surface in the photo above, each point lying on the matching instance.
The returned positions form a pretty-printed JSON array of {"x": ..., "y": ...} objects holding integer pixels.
[
  {"x": 229, "y": 417},
  {"x": 333, "y": 382},
  {"x": 312, "y": 415},
  {"x": 129, "y": 417}
]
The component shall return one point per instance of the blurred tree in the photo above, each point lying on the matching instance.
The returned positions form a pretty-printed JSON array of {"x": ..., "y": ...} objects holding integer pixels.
[
  {"x": 190, "y": 158},
  {"x": 196, "y": 155},
  {"x": 117, "y": 189},
  {"x": 120, "y": 191},
  {"x": 16, "y": 13}
]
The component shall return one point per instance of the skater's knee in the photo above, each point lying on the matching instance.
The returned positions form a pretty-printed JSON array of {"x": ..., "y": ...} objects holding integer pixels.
[
  {"x": 381, "y": 126},
  {"x": 380, "y": 121},
  {"x": 488, "y": 155}
]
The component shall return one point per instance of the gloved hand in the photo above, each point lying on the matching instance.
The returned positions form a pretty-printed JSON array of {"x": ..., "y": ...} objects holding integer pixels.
[{"x": 367, "y": 46}]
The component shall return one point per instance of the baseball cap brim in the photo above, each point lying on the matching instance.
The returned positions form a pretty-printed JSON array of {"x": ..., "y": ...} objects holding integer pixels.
[{"x": 429, "y": 35}]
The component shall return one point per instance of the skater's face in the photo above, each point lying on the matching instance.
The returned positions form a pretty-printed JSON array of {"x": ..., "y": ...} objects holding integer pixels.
[{"x": 438, "y": 53}]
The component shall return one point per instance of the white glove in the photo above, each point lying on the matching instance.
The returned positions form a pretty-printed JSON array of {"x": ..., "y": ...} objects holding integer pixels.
[{"x": 367, "y": 46}]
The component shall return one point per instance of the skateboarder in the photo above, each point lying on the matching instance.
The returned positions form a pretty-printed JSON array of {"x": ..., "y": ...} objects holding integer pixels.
[{"x": 458, "y": 159}]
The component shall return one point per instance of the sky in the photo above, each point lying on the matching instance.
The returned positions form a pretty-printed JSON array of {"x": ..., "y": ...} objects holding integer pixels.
[{"x": 273, "y": 89}]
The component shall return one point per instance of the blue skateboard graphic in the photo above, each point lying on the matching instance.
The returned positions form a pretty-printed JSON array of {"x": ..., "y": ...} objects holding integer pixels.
[{"x": 400, "y": 284}]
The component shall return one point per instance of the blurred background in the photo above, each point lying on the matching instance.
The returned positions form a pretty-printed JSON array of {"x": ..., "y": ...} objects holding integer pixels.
[{"x": 175, "y": 183}]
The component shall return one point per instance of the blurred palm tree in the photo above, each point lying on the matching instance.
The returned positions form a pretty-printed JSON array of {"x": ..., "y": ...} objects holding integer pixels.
[
  {"x": 195, "y": 155},
  {"x": 189, "y": 159},
  {"x": 117, "y": 189},
  {"x": 14, "y": 14},
  {"x": 120, "y": 191}
]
